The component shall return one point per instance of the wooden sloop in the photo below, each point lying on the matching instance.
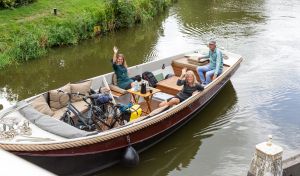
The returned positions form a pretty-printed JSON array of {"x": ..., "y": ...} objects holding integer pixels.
[{"x": 117, "y": 132}]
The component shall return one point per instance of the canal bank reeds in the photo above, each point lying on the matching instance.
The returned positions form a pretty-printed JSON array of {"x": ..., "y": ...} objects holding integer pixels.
[{"x": 27, "y": 32}]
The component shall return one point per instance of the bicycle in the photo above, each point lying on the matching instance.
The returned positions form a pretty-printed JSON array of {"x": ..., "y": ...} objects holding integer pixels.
[
  {"x": 99, "y": 112},
  {"x": 84, "y": 123}
]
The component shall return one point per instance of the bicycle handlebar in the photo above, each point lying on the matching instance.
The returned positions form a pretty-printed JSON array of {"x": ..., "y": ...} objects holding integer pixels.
[
  {"x": 84, "y": 97},
  {"x": 71, "y": 93}
]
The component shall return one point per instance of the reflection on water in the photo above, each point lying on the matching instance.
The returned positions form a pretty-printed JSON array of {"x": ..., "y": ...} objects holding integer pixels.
[
  {"x": 264, "y": 97},
  {"x": 218, "y": 19}
]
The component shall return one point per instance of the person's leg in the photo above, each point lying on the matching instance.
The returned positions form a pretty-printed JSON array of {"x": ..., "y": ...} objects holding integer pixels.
[
  {"x": 201, "y": 70},
  {"x": 174, "y": 101},
  {"x": 208, "y": 76},
  {"x": 220, "y": 72},
  {"x": 164, "y": 103}
]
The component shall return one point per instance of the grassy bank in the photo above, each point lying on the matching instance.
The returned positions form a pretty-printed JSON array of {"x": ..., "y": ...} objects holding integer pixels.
[{"x": 27, "y": 32}]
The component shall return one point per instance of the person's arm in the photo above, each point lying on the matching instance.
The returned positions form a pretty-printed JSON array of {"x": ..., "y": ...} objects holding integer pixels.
[
  {"x": 115, "y": 49},
  {"x": 218, "y": 64},
  {"x": 206, "y": 56},
  {"x": 183, "y": 72},
  {"x": 199, "y": 88},
  {"x": 181, "y": 80}
]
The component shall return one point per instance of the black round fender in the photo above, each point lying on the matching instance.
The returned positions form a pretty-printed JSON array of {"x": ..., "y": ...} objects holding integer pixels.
[{"x": 130, "y": 157}]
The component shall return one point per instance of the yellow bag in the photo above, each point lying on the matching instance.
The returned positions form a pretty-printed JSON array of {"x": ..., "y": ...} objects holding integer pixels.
[{"x": 136, "y": 112}]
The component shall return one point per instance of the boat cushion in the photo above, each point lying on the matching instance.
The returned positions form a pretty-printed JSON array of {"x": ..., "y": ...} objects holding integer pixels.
[
  {"x": 117, "y": 89},
  {"x": 57, "y": 99},
  {"x": 50, "y": 124},
  {"x": 81, "y": 106},
  {"x": 42, "y": 106},
  {"x": 161, "y": 96},
  {"x": 59, "y": 113},
  {"x": 194, "y": 60},
  {"x": 82, "y": 88},
  {"x": 114, "y": 79},
  {"x": 183, "y": 62}
]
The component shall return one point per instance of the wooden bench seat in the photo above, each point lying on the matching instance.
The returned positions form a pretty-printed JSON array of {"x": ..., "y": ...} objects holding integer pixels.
[
  {"x": 169, "y": 85},
  {"x": 116, "y": 94},
  {"x": 117, "y": 91},
  {"x": 179, "y": 64}
]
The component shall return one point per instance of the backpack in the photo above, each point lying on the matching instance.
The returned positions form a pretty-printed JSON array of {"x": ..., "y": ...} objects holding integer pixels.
[{"x": 148, "y": 76}]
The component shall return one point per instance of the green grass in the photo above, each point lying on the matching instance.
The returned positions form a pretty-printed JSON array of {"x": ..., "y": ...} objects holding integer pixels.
[{"x": 28, "y": 31}]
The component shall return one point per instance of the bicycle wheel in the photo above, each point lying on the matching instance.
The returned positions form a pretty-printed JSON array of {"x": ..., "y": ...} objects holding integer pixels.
[{"x": 67, "y": 119}]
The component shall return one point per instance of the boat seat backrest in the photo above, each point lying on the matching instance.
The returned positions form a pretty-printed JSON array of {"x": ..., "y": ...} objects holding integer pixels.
[
  {"x": 181, "y": 63},
  {"x": 169, "y": 85},
  {"x": 114, "y": 79},
  {"x": 52, "y": 105},
  {"x": 115, "y": 89},
  {"x": 50, "y": 124},
  {"x": 81, "y": 106}
]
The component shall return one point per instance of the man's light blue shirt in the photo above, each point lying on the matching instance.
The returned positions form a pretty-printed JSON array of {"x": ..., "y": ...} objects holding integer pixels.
[{"x": 215, "y": 60}]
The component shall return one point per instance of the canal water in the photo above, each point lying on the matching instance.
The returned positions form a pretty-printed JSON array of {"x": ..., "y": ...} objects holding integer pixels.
[{"x": 262, "y": 98}]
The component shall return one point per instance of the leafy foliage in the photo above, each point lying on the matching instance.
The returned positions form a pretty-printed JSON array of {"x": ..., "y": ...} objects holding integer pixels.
[
  {"x": 27, "y": 48},
  {"x": 14, "y": 3},
  {"x": 30, "y": 38}
]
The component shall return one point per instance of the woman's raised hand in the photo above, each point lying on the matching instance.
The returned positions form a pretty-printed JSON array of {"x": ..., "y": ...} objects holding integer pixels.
[
  {"x": 183, "y": 72},
  {"x": 115, "y": 49}
]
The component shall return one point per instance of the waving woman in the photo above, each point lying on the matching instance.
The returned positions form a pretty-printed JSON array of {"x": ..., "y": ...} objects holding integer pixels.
[
  {"x": 120, "y": 68},
  {"x": 190, "y": 86}
]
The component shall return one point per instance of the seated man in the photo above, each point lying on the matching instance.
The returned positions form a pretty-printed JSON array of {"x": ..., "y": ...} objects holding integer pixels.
[
  {"x": 190, "y": 85},
  {"x": 215, "y": 66}
]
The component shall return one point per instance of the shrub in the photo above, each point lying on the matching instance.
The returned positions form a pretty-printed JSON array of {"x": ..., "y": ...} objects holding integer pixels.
[
  {"x": 4, "y": 60},
  {"x": 84, "y": 25},
  {"x": 124, "y": 14},
  {"x": 47, "y": 31},
  {"x": 27, "y": 47},
  {"x": 3, "y": 46},
  {"x": 62, "y": 34},
  {"x": 14, "y": 3}
]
